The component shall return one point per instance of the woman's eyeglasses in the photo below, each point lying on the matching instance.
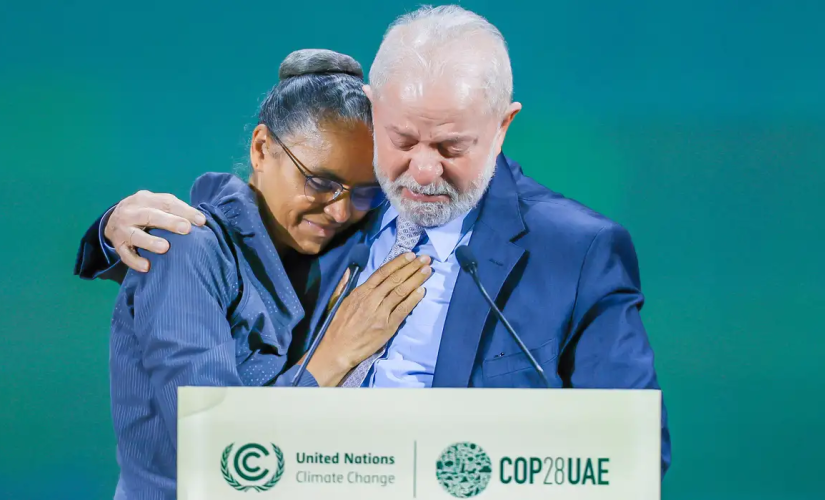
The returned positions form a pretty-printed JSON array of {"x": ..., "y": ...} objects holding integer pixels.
[{"x": 361, "y": 197}]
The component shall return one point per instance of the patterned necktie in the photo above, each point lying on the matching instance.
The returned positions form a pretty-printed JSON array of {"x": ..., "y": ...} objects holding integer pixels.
[{"x": 407, "y": 236}]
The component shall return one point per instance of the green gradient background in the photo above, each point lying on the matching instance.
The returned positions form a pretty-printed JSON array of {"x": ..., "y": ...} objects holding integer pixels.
[{"x": 698, "y": 125}]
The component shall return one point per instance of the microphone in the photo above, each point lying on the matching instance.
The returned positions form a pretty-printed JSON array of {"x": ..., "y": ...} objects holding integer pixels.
[
  {"x": 358, "y": 261},
  {"x": 469, "y": 264}
]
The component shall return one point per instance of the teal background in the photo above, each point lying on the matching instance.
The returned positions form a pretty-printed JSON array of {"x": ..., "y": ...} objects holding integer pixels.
[{"x": 698, "y": 125}]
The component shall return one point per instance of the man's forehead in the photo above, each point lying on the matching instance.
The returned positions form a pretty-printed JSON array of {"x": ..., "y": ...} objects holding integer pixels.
[
  {"x": 438, "y": 101},
  {"x": 450, "y": 86},
  {"x": 447, "y": 132}
]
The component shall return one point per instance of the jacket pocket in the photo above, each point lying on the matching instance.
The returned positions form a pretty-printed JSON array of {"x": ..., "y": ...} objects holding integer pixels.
[{"x": 518, "y": 361}]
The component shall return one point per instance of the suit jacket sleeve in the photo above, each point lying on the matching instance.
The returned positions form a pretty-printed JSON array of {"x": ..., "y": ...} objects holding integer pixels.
[
  {"x": 95, "y": 259},
  {"x": 181, "y": 320},
  {"x": 610, "y": 348}
]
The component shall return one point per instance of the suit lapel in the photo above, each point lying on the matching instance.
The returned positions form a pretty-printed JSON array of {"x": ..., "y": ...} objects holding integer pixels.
[{"x": 499, "y": 223}]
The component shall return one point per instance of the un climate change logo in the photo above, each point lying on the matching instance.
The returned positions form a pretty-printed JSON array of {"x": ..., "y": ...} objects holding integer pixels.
[
  {"x": 464, "y": 470},
  {"x": 246, "y": 465}
]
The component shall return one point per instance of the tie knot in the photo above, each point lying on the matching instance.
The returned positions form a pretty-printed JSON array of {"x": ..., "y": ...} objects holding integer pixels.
[
  {"x": 407, "y": 236},
  {"x": 407, "y": 233}
]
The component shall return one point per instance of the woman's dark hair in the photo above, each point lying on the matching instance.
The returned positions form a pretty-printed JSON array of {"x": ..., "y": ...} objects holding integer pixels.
[{"x": 315, "y": 85}]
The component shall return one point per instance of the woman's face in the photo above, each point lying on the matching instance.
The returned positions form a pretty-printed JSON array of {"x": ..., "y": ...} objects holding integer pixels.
[{"x": 306, "y": 218}]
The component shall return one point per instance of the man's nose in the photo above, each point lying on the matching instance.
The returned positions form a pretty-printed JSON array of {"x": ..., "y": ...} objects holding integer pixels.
[
  {"x": 425, "y": 168},
  {"x": 340, "y": 209}
]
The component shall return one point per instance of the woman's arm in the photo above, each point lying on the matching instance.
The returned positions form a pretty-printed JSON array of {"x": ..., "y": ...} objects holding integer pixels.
[{"x": 180, "y": 316}]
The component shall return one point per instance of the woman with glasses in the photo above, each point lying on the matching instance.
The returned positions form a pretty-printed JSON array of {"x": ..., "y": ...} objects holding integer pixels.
[{"x": 222, "y": 306}]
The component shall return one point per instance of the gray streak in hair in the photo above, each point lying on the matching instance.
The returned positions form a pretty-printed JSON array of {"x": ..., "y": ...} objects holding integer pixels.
[{"x": 316, "y": 85}]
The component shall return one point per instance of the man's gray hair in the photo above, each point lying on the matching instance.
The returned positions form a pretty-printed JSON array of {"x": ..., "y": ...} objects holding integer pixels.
[{"x": 448, "y": 37}]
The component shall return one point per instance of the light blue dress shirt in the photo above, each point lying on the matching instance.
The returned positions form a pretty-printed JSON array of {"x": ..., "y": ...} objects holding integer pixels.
[{"x": 409, "y": 360}]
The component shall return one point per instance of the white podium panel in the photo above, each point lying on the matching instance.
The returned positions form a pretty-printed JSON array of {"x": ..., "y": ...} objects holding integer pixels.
[{"x": 490, "y": 444}]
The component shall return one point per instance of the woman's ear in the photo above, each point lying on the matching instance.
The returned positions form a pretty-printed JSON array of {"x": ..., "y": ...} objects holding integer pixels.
[{"x": 258, "y": 147}]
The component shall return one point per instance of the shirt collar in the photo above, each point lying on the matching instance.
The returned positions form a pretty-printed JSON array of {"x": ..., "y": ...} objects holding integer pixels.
[{"x": 444, "y": 238}]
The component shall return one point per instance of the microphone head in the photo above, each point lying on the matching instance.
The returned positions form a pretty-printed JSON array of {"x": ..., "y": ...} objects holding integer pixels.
[
  {"x": 466, "y": 259},
  {"x": 360, "y": 255}
]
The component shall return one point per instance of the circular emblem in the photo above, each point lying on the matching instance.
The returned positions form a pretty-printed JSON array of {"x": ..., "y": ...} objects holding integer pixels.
[
  {"x": 248, "y": 465},
  {"x": 464, "y": 470}
]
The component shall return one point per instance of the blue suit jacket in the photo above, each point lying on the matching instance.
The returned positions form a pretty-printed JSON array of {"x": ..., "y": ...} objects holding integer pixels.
[{"x": 566, "y": 277}]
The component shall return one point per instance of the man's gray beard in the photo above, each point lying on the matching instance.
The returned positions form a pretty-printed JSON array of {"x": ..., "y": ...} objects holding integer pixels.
[{"x": 434, "y": 214}]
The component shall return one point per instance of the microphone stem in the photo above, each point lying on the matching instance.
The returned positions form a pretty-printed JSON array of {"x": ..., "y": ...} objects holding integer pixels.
[
  {"x": 509, "y": 329},
  {"x": 311, "y": 352}
]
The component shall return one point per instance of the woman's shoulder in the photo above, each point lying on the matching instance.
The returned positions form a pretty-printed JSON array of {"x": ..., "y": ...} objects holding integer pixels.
[
  {"x": 211, "y": 240},
  {"x": 206, "y": 251}
]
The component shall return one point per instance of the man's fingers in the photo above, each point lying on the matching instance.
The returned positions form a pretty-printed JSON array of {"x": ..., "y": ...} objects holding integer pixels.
[
  {"x": 146, "y": 241},
  {"x": 173, "y": 205},
  {"x": 155, "y": 218},
  {"x": 129, "y": 257},
  {"x": 405, "y": 307},
  {"x": 387, "y": 269}
]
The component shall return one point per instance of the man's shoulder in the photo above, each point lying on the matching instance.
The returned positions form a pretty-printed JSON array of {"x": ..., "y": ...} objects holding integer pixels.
[
  {"x": 569, "y": 229},
  {"x": 547, "y": 212},
  {"x": 560, "y": 212}
]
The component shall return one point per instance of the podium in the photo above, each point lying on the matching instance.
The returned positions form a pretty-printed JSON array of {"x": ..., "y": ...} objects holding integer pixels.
[{"x": 397, "y": 444}]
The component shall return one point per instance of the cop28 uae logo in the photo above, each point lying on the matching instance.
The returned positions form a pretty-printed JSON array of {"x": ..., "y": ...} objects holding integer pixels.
[
  {"x": 248, "y": 464},
  {"x": 464, "y": 470}
]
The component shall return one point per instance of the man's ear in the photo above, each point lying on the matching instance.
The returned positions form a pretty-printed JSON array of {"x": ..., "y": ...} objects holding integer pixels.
[
  {"x": 511, "y": 113},
  {"x": 368, "y": 90},
  {"x": 258, "y": 146}
]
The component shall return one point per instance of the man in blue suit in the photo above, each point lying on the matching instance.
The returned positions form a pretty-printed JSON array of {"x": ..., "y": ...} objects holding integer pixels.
[{"x": 566, "y": 277}]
